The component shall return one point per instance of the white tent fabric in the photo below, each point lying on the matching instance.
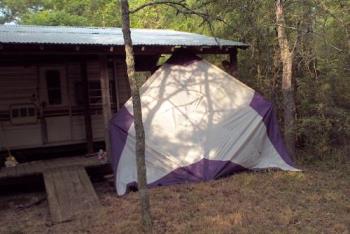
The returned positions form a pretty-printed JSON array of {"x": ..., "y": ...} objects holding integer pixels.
[{"x": 200, "y": 124}]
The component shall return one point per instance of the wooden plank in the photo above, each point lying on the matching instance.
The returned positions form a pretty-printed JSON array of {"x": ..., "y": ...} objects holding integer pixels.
[
  {"x": 106, "y": 100},
  {"x": 11, "y": 172},
  {"x": 91, "y": 200},
  {"x": 23, "y": 169},
  {"x": 233, "y": 63},
  {"x": 82, "y": 185},
  {"x": 38, "y": 167},
  {"x": 48, "y": 165},
  {"x": 51, "y": 197},
  {"x": 76, "y": 161},
  {"x": 2, "y": 173},
  {"x": 116, "y": 83},
  {"x": 65, "y": 192},
  {"x": 87, "y": 117},
  {"x": 69, "y": 192}
]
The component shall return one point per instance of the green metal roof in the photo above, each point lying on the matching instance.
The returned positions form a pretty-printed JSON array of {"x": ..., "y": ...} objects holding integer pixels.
[{"x": 24, "y": 34}]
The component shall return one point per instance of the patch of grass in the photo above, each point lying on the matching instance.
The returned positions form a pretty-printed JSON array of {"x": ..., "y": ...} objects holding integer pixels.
[{"x": 316, "y": 200}]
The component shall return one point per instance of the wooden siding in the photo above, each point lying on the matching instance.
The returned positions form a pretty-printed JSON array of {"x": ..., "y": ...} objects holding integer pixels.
[
  {"x": 123, "y": 82},
  {"x": 19, "y": 84}
]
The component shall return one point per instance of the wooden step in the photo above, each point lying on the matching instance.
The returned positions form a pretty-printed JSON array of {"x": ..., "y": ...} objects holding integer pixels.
[{"x": 70, "y": 192}]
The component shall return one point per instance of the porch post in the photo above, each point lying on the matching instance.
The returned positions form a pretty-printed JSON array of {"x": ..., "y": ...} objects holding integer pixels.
[
  {"x": 106, "y": 100},
  {"x": 233, "y": 62},
  {"x": 87, "y": 114},
  {"x": 43, "y": 124},
  {"x": 231, "y": 66},
  {"x": 116, "y": 83}
]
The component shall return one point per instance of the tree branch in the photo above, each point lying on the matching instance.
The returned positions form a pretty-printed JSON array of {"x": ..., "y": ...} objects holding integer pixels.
[
  {"x": 315, "y": 33},
  {"x": 181, "y": 3},
  {"x": 181, "y": 7}
]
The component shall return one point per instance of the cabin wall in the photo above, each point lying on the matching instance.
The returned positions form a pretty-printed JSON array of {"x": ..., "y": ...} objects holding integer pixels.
[
  {"x": 18, "y": 84},
  {"x": 123, "y": 83},
  {"x": 22, "y": 86}
]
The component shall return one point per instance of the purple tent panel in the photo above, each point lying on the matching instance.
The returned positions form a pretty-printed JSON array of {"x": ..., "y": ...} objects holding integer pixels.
[{"x": 265, "y": 110}]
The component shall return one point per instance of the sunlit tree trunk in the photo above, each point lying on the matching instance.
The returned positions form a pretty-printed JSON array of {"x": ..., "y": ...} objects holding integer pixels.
[
  {"x": 140, "y": 134},
  {"x": 287, "y": 84}
]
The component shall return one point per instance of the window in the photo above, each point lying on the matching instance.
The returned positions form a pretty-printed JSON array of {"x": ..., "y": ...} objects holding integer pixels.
[
  {"x": 53, "y": 84},
  {"x": 23, "y": 114},
  {"x": 23, "y": 111},
  {"x": 78, "y": 93},
  {"x": 95, "y": 92},
  {"x": 94, "y": 89},
  {"x": 15, "y": 113}
]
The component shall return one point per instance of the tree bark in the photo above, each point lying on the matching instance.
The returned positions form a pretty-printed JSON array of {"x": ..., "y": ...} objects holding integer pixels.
[
  {"x": 139, "y": 130},
  {"x": 287, "y": 84}
]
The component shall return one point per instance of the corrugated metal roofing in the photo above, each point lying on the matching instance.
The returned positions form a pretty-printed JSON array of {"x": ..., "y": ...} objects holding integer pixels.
[{"x": 26, "y": 34}]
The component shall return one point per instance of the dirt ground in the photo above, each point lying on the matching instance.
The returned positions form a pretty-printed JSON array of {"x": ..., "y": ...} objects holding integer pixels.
[{"x": 314, "y": 201}]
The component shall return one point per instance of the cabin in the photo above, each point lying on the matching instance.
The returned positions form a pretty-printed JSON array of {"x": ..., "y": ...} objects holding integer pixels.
[{"x": 59, "y": 86}]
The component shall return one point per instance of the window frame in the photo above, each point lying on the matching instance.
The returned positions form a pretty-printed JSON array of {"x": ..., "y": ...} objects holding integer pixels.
[
  {"x": 44, "y": 95},
  {"x": 20, "y": 119}
]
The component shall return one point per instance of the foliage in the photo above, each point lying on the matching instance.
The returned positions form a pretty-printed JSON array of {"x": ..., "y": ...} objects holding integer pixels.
[
  {"x": 54, "y": 18},
  {"x": 319, "y": 30},
  {"x": 61, "y": 12}
]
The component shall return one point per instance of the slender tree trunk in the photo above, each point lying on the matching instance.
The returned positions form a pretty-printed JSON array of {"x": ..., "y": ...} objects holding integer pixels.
[
  {"x": 287, "y": 84},
  {"x": 140, "y": 134}
]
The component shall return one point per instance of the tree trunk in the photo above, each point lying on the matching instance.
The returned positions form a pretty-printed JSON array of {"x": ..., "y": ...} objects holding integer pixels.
[
  {"x": 139, "y": 130},
  {"x": 287, "y": 84}
]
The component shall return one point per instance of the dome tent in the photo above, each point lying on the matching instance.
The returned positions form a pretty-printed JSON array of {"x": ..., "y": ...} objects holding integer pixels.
[{"x": 200, "y": 124}]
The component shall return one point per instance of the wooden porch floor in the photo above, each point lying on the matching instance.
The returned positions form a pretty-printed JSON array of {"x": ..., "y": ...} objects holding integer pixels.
[
  {"x": 68, "y": 187},
  {"x": 39, "y": 167}
]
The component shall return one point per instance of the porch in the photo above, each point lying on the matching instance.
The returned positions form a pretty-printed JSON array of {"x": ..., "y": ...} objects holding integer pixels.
[
  {"x": 67, "y": 184},
  {"x": 39, "y": 167}
]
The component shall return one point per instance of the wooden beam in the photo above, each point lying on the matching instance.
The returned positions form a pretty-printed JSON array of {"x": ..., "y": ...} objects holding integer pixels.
[
  {"x": 69, "y": 192},
  {"x": 233, "y": 63},
  {"x": 87, "y": 116},
  {"x": 106, "y": 100},
  {"x": 69, "y": 98},
  {"x": 146, "y": 62},
  {"x": 41, "y": 106},
  {"x": 37, "y": 49},
  {"x": 231, "y": 66},
  {"x": 116, "y": 83}
]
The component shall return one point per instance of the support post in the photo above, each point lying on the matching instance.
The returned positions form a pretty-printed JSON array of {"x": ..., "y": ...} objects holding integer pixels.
[
  {"x": 87, "y": 116},
  {"x": 41, "y": 106},
  {"x": 233, "y": 62},
  {"x": 106, "y": 99},
  {"x": 231, "y": 66},
  {"x": 116, "y": 83}
]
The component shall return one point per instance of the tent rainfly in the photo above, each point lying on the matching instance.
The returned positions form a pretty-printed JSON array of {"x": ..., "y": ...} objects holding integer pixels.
[{"x": 200, "y": 124}]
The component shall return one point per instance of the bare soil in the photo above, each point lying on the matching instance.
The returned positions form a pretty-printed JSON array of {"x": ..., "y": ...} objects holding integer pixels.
[{"x": 314, "y": 201}]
